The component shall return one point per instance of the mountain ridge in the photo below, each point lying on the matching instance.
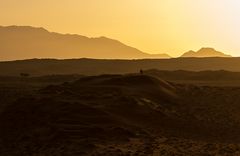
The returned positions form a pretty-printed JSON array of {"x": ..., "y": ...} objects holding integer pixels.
[
  {"x": 205, "y": 52},
  {"x": 25, "y": 42}
]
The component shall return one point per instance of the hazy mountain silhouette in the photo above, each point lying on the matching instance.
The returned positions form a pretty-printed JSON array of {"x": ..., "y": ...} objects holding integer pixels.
[
  {"x": 22, "y": 42},
  {"x": 205, "y": 52}
]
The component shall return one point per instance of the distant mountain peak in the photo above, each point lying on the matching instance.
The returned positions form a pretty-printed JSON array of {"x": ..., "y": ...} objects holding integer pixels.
[{"x": 205, "y": 52}]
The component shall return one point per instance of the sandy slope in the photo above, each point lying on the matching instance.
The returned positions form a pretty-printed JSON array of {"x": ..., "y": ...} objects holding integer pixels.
[{"x": 123, "y": 115}]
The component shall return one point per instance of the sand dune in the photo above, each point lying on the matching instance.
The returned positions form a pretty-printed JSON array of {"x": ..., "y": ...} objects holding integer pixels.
[{"x": 122, "y": 115}]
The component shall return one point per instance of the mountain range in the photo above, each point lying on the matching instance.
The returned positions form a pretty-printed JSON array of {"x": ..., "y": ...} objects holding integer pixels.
[
  {"x": 26, "y": 42},
  {"x": 23, "y": 42}
]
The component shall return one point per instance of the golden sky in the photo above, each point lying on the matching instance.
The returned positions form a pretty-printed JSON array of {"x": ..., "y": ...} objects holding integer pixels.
[{"x": 153, "y": 26}]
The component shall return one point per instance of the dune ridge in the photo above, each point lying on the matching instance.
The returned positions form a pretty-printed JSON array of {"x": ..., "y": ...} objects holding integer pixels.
[{"x": 122, "y": 114}]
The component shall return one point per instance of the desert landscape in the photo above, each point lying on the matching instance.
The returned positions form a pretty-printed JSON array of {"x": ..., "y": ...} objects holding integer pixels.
[
  {"x": 108, "y": 107},
  {"x": 119, "y": 78},
  {"x": 129, "y": 114}
]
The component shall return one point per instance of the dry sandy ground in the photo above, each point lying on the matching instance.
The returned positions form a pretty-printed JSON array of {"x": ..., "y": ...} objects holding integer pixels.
[{"x": 125, "y": 115}]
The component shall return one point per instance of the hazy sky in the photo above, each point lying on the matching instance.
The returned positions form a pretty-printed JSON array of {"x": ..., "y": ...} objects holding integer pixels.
[{"x": 153, "y": 26}]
